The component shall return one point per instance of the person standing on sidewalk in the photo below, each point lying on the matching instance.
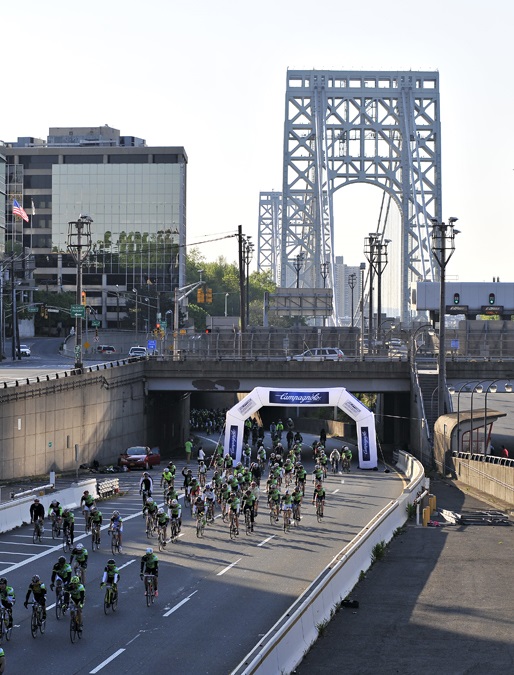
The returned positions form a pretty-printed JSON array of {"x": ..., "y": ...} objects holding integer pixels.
[{"x": 188, "y": 447}]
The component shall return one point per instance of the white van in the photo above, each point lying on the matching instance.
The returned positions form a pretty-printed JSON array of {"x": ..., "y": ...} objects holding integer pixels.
[{"x": 138, "y": 351}]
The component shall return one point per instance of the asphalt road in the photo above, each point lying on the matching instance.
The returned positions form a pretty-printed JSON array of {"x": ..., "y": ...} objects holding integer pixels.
[{"x": 217, "y": 597}]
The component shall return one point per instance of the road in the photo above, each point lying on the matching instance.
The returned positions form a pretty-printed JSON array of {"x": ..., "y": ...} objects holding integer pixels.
[{"x": 217, "y": 597}]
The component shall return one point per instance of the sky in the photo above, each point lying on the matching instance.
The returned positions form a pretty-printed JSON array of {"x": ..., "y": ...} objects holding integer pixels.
[{"x": 210, "y": 76}]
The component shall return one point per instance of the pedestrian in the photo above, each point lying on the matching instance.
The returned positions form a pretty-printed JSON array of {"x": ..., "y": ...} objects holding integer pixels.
[
  {"x": 504, "y": 452},
  {"x": 188, "y": 447}
]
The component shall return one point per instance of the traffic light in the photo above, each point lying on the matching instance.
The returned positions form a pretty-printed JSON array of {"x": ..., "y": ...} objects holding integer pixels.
[
  {"x": 83, "y": 298},
  {"x": 492, "y": 298},
  {"x": 96, "y": 332},
  {"x": 208, "y": 330},
  {"x": 208, "y": 295},
  {"x": 158, "y": 326},
  {"x": 456, "y": 298},
  {"x": 200, "y": 296}
]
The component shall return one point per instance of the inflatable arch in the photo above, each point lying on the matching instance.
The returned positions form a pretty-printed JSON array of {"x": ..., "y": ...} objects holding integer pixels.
[{"x": 303, "y": 398}]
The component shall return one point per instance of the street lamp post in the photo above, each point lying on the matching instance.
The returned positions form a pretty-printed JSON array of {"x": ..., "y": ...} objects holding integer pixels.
[
  {"x": 443, "y": 247},
  {"x": 298, "y": 264},
  {"x": 362, "y": 270},
  {"x": 248, "y": 255},
  {"x": 79, "y": 245},
  {"x": 414, "y": 346},
  {"x": 226, "y": 301},
  {"x": 352, "y": 280},
  {"x": 134, "y": 290}
]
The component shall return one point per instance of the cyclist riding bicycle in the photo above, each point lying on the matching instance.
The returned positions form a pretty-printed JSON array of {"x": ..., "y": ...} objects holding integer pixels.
[
  {"x": 7, "y": 597},
  {"x": 116, "y": 524},
  {"x": 202, "y": 468},
  {"x": 249, "y": 500},
  {"x": 37, "y": 510},
  {"x": 256, "y": 491},
  {"x": 209, "y": 497},
  {"x": 335, "y": 458},
  {"x": 199, "y": 506},
  {"x": 80, "y": 554},
  {"x": 38, "y": 590},
  {"x": 194, "y": 489},
  {"x": 162, "y": 523},
  {"x": 77, "y": 595},
  {"x": 274, "y": 499},
  {"x": 150, "y": 509},
  {"x": 234, "y": 504},
  {"x": 247, "y": 455},
  {"x": 68, "y": 523},
  {"x": 96, "y": 516},
  {"x": 61, "y": 570},
  {"x": 55, "y": 511},
  {"x": 188, "y": 479},
  {"x": 150, "y": 565},
  {"x": 167, "y": 478},
  {"x": 297, "y": 502},
  {"x": 175, "y": 512},
  {"x": 317, "y": 474},
  {"x": 287, "y": 504},
  {"x": 319, "y": 495},
  {"x": 111, "y": 576},
  {"x": 87, "y": 501},
  {"x": 146, "y": 484},
  {"x": 228, "y": 463}
]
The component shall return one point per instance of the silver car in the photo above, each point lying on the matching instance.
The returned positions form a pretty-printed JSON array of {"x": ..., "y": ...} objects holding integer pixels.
[{"x": 320, "y": 354}]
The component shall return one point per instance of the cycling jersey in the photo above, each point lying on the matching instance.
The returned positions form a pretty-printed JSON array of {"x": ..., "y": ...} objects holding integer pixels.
[
  {"x": 80, "y": 555},
  {"x": 163, "y": 519},
  {"x": 77, "y": 593},
  {"x": 64, "y": 572},
  {"x": 149, "y": 563},
  {"x": 96, "y": 518},
  {"x": 319, "y": 494}
]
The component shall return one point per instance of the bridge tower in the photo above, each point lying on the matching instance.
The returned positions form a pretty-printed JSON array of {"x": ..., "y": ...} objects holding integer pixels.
[
  {"x": 270, "y": 220},
  {"x": 343, "y": 127}
]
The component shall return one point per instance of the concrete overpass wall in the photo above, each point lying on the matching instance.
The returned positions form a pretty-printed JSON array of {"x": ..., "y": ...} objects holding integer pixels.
[{"x": 102, "y": 411}]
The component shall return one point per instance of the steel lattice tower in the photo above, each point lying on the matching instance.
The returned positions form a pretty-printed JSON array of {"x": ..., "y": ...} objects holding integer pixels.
[
  {"x": 344, "y": 127},
  {"x": 268, "y": 248}
]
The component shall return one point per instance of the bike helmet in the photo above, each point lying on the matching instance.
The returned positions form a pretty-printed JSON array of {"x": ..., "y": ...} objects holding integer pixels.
[
  {"x": 92, "y": 509},
  {"x": 248, "y": 493},
  {"x": 62, "y": 560},
  {"x": 35, "y": 579},
  {"x": 115, "y": 514},
  {"x": 3, "y": 581},
  {"x": 86, "y": 492},
  {"x": 145, "y": 473},
  {"x": 253, "y": 483},
  {"x": 36, "y": 501},
  {"x": 201, "y": 461},
  {"x": 66, "y": 512},
  {"x": 287, "y": 492},
  {"x": 74, "y": 580},
  {"x": 54, "y": 503},
  {"x": 149, "y": 550},
  {"x": 160, "y": 512},
  {"x": 174, "y": 502},
  {"x": 111, "y": 563},
  {"x": 149, "y": 500}
]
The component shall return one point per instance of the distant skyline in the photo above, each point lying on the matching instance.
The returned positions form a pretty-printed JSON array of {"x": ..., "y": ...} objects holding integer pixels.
[{"x": 211, "y": 77}]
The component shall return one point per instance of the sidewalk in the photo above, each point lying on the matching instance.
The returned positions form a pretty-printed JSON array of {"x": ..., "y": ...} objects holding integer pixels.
[{"x": 440, "y": 603}]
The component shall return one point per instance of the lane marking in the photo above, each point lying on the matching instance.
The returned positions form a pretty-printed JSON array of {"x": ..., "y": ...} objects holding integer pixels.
[
  {"x": 107, "y": 661},
  {"x": 183, "y": 602},
  {"x": 334, "y": 491},
  {"x": 266, "y": 540},
  {"x": 127, "y": 563},
  {"x": 50, "y": 607},
  {"x": 228, "y": 568}
]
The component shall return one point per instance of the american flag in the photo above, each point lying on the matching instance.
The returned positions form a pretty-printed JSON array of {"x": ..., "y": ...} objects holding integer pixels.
[{"x": 18, "y": 210}]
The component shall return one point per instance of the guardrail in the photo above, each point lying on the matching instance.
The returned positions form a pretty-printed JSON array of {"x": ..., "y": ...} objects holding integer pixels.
[{"x": 285, "y": 644}]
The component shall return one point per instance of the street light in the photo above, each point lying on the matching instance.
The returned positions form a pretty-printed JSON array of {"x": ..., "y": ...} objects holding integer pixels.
[
  {"x": 298, "y": 264},
  {"x": 352, "y": 281},
  {"x": 362, "y": 270},
  {"x": 134, "y": 290},
  {"x": 248, "y": 249},
  {"x": 414, "y": 346},
  {"x": 443, "y": 247},
  {"x": 226, "y": 301},
  {"x": 79, "y": 245}
]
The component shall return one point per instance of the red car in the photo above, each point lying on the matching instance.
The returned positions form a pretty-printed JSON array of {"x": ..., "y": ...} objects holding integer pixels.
[{"x": 140, "y": 457}]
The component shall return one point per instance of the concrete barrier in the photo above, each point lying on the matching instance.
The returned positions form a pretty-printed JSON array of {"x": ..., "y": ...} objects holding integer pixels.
[
  {"x": 16, "y": 513},
  {"x": 285, "y": 644}
]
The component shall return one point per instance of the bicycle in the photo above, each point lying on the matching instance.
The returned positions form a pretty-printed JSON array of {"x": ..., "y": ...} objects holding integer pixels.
[
  {"x": 150, "y": 525},
  {"x": 161, "y": 537},
  {"x": 335, "y": 466},
  {"x": 95, "y": 536},
  {"x": 5, "y": 630},
  {"x": 233, "y": 526},
  {"x": 149, "y": 580},
  {"x": 79, "y": 571},
  {"x": 59, "y": 599},
  {"x": 202, "y": 480},
  {"x": 287, "y": 520},
  {"x": 345, "y": 465},
  {"x": 273, "y": 513},
  {"x": 296, "y": 516},
  {"x": 36, "y": 621},
  {"x": 200, "y": 523},
  {"x": 174, "y": 530},
  {"x": 56, "y": 528},
  {"x": 66, "y": 539},
  {"x": 75, "y": 625},
  {"x": 210, "y": 511},
  {"x": 115, "y": 541},
  {"x": 87, "y": 519},
  {"x": 248, "y": 521},
  {"x": 319, "y": 510},
  {"x": 37, "y": 535},
  {"x": 110, "y": 599},
  {"x": 145, "y": 494}
]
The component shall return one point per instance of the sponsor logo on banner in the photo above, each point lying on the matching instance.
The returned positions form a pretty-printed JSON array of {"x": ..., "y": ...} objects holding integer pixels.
[
  {"x": 247, "y": 405},
  {"x": 351, "y": 408},
  {"x": 366, "y": 455},
  {"x": 232, "y": 444},
  {"x": 299, "y": 397}
]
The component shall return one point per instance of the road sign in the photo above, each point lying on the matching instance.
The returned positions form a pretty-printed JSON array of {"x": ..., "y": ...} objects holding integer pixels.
[
  {"x": 164, "y": 325},
  {"x": 152, "y": 344},
  {"x": 78, "y": 311},
  {"x": 52, "y": 310},
  {"x": 33, "y": 309},
  {"x": 95, "y": 324}
]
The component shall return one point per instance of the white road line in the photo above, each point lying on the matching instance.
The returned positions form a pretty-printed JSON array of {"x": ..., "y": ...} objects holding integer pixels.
[
  {"x": 228, "y": 568},
  {"x": 22, "y": 543},
  {"x": 183, "y": 602},
  {"x": 334, "y": 491},
  {"x": 266, "y": 540},
  {"x": 127, "y": 563},
  {"x": 50, "y": 607},
  {"x": 107, "y": 661},
  {"x": 9, "y": 553}
]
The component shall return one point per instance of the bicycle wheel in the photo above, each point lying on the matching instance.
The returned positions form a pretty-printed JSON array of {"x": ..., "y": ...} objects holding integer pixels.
[
  {"x": 66, "y": 544},
  {"x": 34, "y": 622},
  {"x": 248, "y": 522},
  {"x": 54, "y": 530},
  {"x": 319, "y": 512},
  {"x": 58, "y": 606},
  {"x": 42, "y": 622},
  {"x": 149, "y": 592},
  {"x": 73, "y": 627},
  {"x": 233, "y": 529},
  {"x": 271, "y": 516}
]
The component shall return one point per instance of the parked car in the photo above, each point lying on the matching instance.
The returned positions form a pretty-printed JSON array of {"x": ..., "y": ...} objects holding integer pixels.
[
  {"x": 138, "y": 351},
  {"x": 140, "y": 457},
  {"x": 319, "y": 354},
  {"x": 105, "y": 349},
  {"x": 24, "y": 350}
]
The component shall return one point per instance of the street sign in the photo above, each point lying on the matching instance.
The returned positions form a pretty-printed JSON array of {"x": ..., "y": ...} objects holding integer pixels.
[
  {"x": 164, "y": 325},
  {"x": 95, "y": 324},
  {"x": 52, "y": 310},
  {"x": 32, "y": 309},
  {"x": 78, "y": 311},
  {"x": 152, "y": 344}
]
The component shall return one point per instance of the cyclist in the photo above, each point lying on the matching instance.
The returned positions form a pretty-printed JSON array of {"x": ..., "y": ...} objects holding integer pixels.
[
  {"x": 7, "y": 597},
  {"x": 228, "y": 464},
  {"x": 256, "y": 491},
  {"x": 348, "y": 456},
  {"x": 38, "y": 589},
  {"x": 80, "y": 553},
  {"x": 249, "y": 505},
  {"x": 317, "y": 474},
  {"x": 170, "y": 495},
  {"x": 288, "y": 470},
  {"x": 298, "y": 438},
  {"x": 172, "y": 469},
  {"x": 335, "y": 458},
  {"x": 116, "y": 524},
  {"x": 247, "y": 455},
  {"x": 319, "y": 495},
  {"x": 297, "y": 502},
  {"x": 255, "y": 472},
  {"x": 199, "y": 507},
  {"x": 202, "y": 471},
  {"x": 162, "y": 524},
  {"x": 61, "y": 570},
  {"x": 287, "y": 504},
  {"x": 175, "y": 512},
  {"x": 226, "y": 491},
  {"x": 209, "y": 497},
  {"x": 167, "y": 478},
  {"x": 188, "y": 479},
  {"x": 77, "y": 595},
  {"x": 55, "y": 512},
  {"x": 146, "y": 485},
  {"x": 261, "y": 455},
  {"x": 37, "y": 510},
  {"x": 323, "y": 461},
  {"x": 150, "y": 565},
  {"x": 68, "y": 523},
  {"x": 111, "y": 576},
  {"x": 301, "y": 477},
  {"x": 96, "y": 517},
  {"x": 150, "y": 509},
  {"x": 234, "y": 504},
  {"x": 194, "y": 489},
  {"x": 280, "y": 429},
  {"x": 274, "y": 499},
  {"x": 87, "y": 501}
]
